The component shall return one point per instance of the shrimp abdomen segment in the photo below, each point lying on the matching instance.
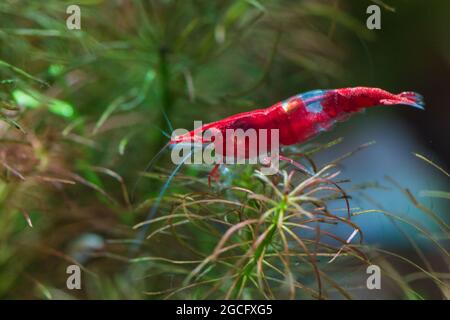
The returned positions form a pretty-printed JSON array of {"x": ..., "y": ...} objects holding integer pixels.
[{"x": 306, "y": 116}]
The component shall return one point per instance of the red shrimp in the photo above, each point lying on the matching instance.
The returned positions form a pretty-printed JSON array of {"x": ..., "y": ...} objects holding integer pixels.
[{"x": 301, "y": 117}]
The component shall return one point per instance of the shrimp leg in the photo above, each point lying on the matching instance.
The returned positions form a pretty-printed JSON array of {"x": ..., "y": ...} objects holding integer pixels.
[{"x": 215, "y": 174}]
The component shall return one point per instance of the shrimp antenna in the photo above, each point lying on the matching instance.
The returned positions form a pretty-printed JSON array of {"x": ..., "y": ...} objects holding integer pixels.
[
  {"x": 148, "y": 167},
  {"x": 165, "y": 134},
  {"x": 169, "y": 124},
  {"x": 154, "y": 209},
  {"x": 154, "y": 159}
]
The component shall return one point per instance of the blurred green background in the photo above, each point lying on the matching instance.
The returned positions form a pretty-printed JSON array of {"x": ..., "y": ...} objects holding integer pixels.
[{"x": 83, "y": 112}]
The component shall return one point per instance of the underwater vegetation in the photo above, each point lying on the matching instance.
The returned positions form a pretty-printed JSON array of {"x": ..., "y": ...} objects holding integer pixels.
[{"x": 82, "y": 112}]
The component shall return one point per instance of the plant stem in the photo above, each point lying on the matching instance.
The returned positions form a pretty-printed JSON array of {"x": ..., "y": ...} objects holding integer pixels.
[{"x": 261, "y": 249}]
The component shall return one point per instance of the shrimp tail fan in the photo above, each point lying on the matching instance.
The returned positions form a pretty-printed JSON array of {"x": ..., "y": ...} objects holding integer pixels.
[{"x": 408, "y": 98}]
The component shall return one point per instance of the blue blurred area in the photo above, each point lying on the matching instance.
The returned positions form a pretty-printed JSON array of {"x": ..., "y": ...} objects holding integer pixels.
[{"x": 391, "y": 156}]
